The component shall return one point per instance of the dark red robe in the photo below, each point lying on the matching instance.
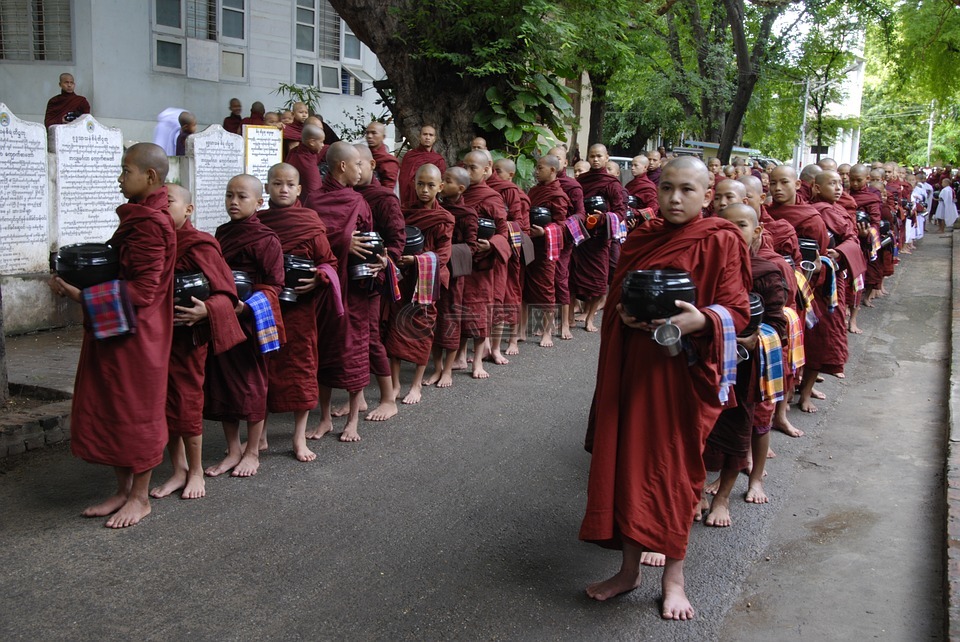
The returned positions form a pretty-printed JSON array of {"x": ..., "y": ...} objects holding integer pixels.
[
  {"x": 804, "y": 193},
  {"x": 412, "y": 161},
  {"x": 562, "y": 281},
  {"x": 654, "y": 175},
  {"x": 308, "y": 164},
  {"x": 118, "y": 413},
  {"x": 651, "y": 413},
  {"x": 233, "y": 124},
  {"x": 646, "y": 192},
  {"x": 343, "y": 342},
  {"x": 292, "y": 371},
  {"x": 480, "y": 287},
  {"x": 508, "y": 300},
  {"x": 782, "y": 236},
  {"x": 253, "y": 120},
  {"x": 236, "y": 384},
  {"x": 450, "y": 307},
  {"x": 590, "y": 266},
  {"x": 60, "y": 106},
  {"x": 870, "y": 202},
  {"x": 199, "y": 252},
  {"x": 539, "y": 279},
  {"x": 388, "y": 167}
]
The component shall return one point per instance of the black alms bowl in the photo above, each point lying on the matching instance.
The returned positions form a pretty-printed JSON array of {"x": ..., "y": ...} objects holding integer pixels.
[
  {"x": 190, "y": 285},
  {"x": 633, "y": 201},
  {"x": 863, "y": 217},
  {"x": 487, "y": 228},
  {"x": 86, "y": 264},
  {"x": 809, "y": 249},
  {"x": 790, "y": 261},
  {"x": 884, "y": 227},
  {"x": 244, "y": 284},
  {"x": 360, "y": 268},
  {"x": 756, "y": 314},
  {"x": 595, "y": 204},
  {"x": 414, "y": 243},
  {"x": 294, "y": 269},
  {"x": 540, "y": 216},
  {"x": 650, "y": 294}
]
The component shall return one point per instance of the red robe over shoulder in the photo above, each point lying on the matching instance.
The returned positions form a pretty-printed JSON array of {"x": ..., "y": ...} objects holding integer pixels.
[
  {"x": 518, "y": 215},
  {"x": 233, "y": 124},
  {"x": 118, "y": 413},
  {"x": 450, "y": 306},
  {"x": 308, "y": 164},
  {"x": 292, "y": 371},
  {"x": 412, "y": 161},
  {"x": 804, "y": 193},
  {"x": 645, "y": 190},
  {"x": 489, "y": 271},
  {"x": 343, "y": 342},
  {"x": 651, "y": 413},
  {"x": 805, "y": 220},
  {"x": 388, "y": 167},
  {"x": 539, "y": 279},
  {"x": 869, "y": 201},
  {"x": 60, "y": 106},
  {"x": 254, "y": 120},
  {"x": 562, "y": 278},
  {"x": 590, "y": 266}
]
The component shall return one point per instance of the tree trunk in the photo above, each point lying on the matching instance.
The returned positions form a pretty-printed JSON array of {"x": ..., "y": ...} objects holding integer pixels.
[
  {"x": 598, "y": 109},
  {"x": 4, "y": 388}
]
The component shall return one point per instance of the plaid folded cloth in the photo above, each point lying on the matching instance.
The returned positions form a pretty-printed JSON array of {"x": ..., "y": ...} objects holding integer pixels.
[
  {"x": 795, "y": 356},
  {"x": 645, "y": 214},
  {"x": 553, "y": 239},
  {"x": 858, "y": 283},
  {"x": 516, "y": 235},
  {"x": 109, "y": 309},
  {"x": 335, "y": 291},
  {"x": 830, "y": 287},
  {"x": 428, "y": 266},
  {"x": 728, "y": 376},
  {"x": 267, "y": 334},
  {"x": 874, "y": 240},
  {"x": 393, "y": 280},
  {"x": 771, "y": 364},
  {"x": 575, "y": 227},
  {"x": 615, "y": 230},
  {"x": 806, "y": 296}
]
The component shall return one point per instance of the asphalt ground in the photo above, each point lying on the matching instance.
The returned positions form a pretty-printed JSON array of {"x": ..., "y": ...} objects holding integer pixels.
[{"x": 458, "y": 519}]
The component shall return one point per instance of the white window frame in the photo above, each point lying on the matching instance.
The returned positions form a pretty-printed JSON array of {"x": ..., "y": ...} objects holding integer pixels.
[
  {"x": 345, "y": 30},
  {"x": 313, "y": 58},
  {"x": 178, "y": 36},
  {"x": 178, "y": 40}
]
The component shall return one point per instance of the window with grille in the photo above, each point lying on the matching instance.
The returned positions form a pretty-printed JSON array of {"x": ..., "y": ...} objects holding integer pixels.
[
  {"x": 35, "y": 30},
  {"x": 220, "y": 21},
  {"x": 326, "y": 52}
]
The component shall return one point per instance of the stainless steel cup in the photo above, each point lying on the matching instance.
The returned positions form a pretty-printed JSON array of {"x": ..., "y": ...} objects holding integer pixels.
[{"x": 668, "y": 336}]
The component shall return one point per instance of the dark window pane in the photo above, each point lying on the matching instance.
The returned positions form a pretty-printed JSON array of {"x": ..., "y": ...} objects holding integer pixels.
[
  {"x": 304, "y": 38},
  {"x": 168, "y": 13},
  {"x": 304, "y": 74},
  {"x": 168, "y": 54},
  {"x": 232, "y": 24}
]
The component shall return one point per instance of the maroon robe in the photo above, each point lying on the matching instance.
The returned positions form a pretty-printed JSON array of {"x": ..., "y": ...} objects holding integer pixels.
[
  {"x": 870, "y": 202},
  {"x": 654, "y": 175},
  {"x": 292, "y": 371},
  {"x": 480, "y": 287},
  {"x": 60, "y": 106},
  {"x": 118, "y": 413},
  {"x": 450, "y": 308},
  {"x": 411, "y": 329},
  {"x": 804, "y": 193},
  {"x": 308, "y": 164},
  {"x": 540, "y": 276},
  {"x": 412, "y": 161},
  {"x": 806, "y": 221},
  {"x": 651, "y": 413},
  {"x": 343, "y": 342},
  {"x": 518, "y": 213},
  {"x": 233, "y": 124},
  {"x": 646, "y": 192},
  {"x": 255, "y": 120},
  {"x": 236, "y": 384},
  {"x": 388, "y": 168},
  {"x": 782, "y": 236},
  {"x": 590, "y": 266},
  {"x": 199, "y": 252},
  {"x": 562, "y": 281}
]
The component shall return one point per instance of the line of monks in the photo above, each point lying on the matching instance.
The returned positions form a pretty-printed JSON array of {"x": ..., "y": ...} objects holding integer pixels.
[{"x": 492, "y": 264}]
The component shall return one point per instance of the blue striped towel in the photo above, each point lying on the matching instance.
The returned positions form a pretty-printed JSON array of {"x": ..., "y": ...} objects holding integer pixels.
[
  {"x": 728, "y": 373},
  {"x": 771, "y": 364},
  {"x": 267, "y": 335},
  {"x": 830, "y": 287}
]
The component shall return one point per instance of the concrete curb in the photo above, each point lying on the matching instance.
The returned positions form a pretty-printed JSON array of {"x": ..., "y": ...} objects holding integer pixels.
[
  {"x": 952, "y": 549},
  {"x": 37, "y": 427}
]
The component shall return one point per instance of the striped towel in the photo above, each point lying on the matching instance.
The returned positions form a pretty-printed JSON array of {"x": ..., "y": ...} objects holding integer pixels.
[
  {"x": 830, "y": 287},
  {"x": 425, "y": 291},
  {"x": 728, "y": 376},
  {"x": 109, "y": 309},
  {"x": 553, "y": 239},
  {"x": 645, "y": 214},
  {"x": 267, "y": 335},
  {"x": 615, "y": 230},
  {"x": 806, "y": 296},
  {"x": 575, "y": 227},
  {"x": 335, "y": 291},
  {"x": 516, "y": 236},
  {"x": 795, "y": 357},
  {"x": 393, "y": 280},
  {"x": 874, "y": 240},
  {"x": 771, "y": 364},
  {"x": 859, "y": 284}
]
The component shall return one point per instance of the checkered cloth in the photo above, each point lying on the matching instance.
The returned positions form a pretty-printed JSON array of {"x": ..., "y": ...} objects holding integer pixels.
[
  {"x": 516, "y": 236},
  {"x": 795, "y": 356},
  {"x": 645, "y": 214},
  {"x": 553, "y": 239},
  {"x": 267, "y": 335},
  {"x": 335, "y": 291},
  {"x": 830, "y": 286},
  {"x": 806, "y": 296},
  {"x": 874, "y": 240},
  {"x": 393, "y": 280},
  {"x": 771, "y": 364},
  {"x": 575, "y": 227},
  {"x": 428, "y": 266},
  {"x": 728, "y": 376},
  {"x": 109, "y": 309},
  {"x": 615, "y": 229}
]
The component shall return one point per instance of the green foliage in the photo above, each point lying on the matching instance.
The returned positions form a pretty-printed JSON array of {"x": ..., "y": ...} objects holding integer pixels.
[
  {"x": 892, "y": 128},
  {"x": 306, "y": 94},
  {"x": 358, "y": 121},
  {"x": 925, "y": 48}
]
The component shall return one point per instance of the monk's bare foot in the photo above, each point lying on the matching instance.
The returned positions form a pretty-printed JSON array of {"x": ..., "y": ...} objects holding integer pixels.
[
  {"x": 590, "y": 327},
  {"x": 649, "y": 558},
  {"x": 384, "y": 411},
  {"x": 302, "y": 453},
  {"x": 566, "y": 335},
  {"x": 344, "y": 410},
  {"x": 132, "y": 511},
  {"x": 322, "y": 429},
  {"x": 445, "y": 381},
  {"x": 855, "y": 329},
  {"x": 195, "y": 488},
  {"x": 788, "y": 429},
  {"x": 172, "y": 485},
  {"x": 702, "y": 507},
  {"x": 755, "y": 494},
  {"x": 712, "y": 487},
  {"x": 719, "y": 513},
  {"x": 579, "y": 318},
  {"x": 807, "y": 406},
  {"x": 262, "y": 447},
  {"x": 350, "y": 433},
  {"x": 816, "y": 394},
  {"x": 676, "y": 606},
  {"x": 110, "y": 505},
  {"x": 868, "y": 303},
  {"x": 546, "y": 341},
  {"x": 460, "y": 365},
  {"x": 412, "y": 397},
  {"x": 840, "y": 375},
  {"x": 480, "y": 373},
  {"x": 433, "y": 378},
  {"x": 622, "y": 582},
  {"x": 512, "y": 349},
  {"x": 229, "y": 463},
  {"x": 498, "y": 359},
  {"x": 248, "y": 466},
  {"x": 771, "y": 454},
  {"x": 820, "y": 379}
]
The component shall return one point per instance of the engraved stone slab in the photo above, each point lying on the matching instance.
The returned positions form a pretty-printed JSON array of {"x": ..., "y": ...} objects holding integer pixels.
[
  {"x": 263, "y": 148},
  {"x": 214, "y": 156},
  {"x": 24, "y": 195}
]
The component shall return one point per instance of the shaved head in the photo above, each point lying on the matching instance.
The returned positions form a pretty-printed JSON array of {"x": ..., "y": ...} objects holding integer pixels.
[
  {"x": 479, "y": 156},
  {"x": 186, "y": 118},
  {"x": 731, "y": 185},
  {"x": 598, "y": 147},
  {"x": 506, "y": 165},
  {"x": 689, "y": 162},
  {"x": 282, "y": 168},
  {"x": 859, "y": 170},
  {"x": 341, "y": 152},
  {"x": 429, "y": 169},
  {"x": 738, "y": 210},
  {"x": 460, "y": 175},
  {"x": 180, "y": 192},
  {"x": 827, "y": 164},
  {"x": 808, "y": 173},
  {"x": 249, "y": 181},
  {"x": 147, "y": 156},
  {"x": 550, "y": 161},
  {"x": 561, "y": 154},
  {"x": 751, "y": 182},
  {"x": 312, "y": 132},
  {"x": 825, "y": 176},
  {"x": 642, "y": 160},
  {"x": 478, "y": 143},
  {"x": 363, "y": 149},
  {"x": 783, "y": 171}
]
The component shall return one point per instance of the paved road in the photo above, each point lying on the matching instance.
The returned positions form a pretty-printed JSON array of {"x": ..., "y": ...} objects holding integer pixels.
[{"x": 458, "y": 519}]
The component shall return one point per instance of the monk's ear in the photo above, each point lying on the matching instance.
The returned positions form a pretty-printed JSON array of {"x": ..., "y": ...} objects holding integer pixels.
[
  {"x": 708, "y": 197},
  {"x": 373, "y": 164},
  {"x": 153, "y": 176}
]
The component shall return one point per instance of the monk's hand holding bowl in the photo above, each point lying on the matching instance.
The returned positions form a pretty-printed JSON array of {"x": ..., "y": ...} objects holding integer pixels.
[
  {"x": 62, "y": 288},
  {"x": 749, "y": 342},
  {"x": 359, "y": 247},
  {"x": 863, "y": 230},
  {"x": 483, "y": 247},
  {"x": 190, "y": 316},
  {"x": 631, "y": 322},
  {"x": 381, "y": 264},
  {"x": 690, "y": 320},
  {"x": 833, "y": 254},
  {"x": 407, "y": 260},
  {"x": 306, "y": 285},
  {"x": 536, "y": 231}
]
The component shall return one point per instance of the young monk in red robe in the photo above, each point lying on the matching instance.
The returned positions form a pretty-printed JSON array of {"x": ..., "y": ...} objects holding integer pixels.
[
  {"x": 518, "y": 220},
  {"x": 869, "y": 202},
  {"x": 212, "y": 322},
  {"x": 641, "y": 186},
  {"x": 540, "y": 277},
  {"x": 388, "y": 223},
  {"x": 647, "y": 471},
  {"x": 591, "y": 259},
  {"x": 479, "y": 287},
  {"x": 236, "y": 385},
  {"x": 805, "y": 191},
  {"x": 65, "y": 104},
  {"x": 413, "y": 160},
  {"x": 450, "y": 308},
  {"x": 305, "y": 159},
  {"x": 344, "y": 355},
  {"x": 574, "y": 193},
  {"x": 234, "y": 121},
  {"x": 257, "y": 110},
  {"x": 413, "y": 319},
  {"x": 292, "y": 371},
  {"x": 387, "y": 168},
  {"x": 124, "y": 425},
  {"x": 293, "y": 132}
]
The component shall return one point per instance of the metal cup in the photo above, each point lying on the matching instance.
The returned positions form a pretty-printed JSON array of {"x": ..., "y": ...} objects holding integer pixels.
[
  {"x": 808, "y": 268},
  {"x": 742, "y": 353},
  {"x": 668, "y": 336}
]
